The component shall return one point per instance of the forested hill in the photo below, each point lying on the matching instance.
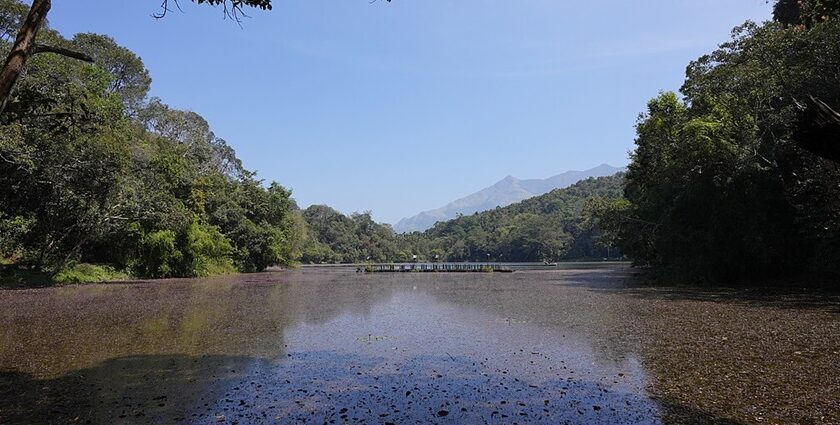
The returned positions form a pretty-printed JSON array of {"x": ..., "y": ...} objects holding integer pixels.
[
  {"x": 505, "y": 192},
  {"x": 553, "y": 226}
]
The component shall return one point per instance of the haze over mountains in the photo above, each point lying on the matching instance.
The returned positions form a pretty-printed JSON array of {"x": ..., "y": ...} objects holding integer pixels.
[{"x": 505, "y": 192}]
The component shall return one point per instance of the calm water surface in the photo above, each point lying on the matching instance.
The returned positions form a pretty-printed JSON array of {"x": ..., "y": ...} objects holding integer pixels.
[{"x": 327, "y": 345}]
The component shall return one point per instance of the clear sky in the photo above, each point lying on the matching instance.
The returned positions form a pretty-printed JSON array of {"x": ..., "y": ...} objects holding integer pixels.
[{"x": 404, "y": 106}]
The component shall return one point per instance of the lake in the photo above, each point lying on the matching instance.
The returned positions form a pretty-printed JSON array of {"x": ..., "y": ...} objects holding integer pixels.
[{"x": 577, "y": 344}]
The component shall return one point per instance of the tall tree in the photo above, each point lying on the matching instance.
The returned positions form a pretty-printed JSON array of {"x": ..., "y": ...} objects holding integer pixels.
[
  {"x": 25, "y": 45},
  {"x": 818, "y": 123},
  {"x": 93, "y": 171},
  {"x": 740, "y": 179},
  {"x": 131, "y": 80}
]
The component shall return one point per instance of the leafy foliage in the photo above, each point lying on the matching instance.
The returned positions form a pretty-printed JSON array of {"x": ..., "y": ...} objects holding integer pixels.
[
  {"x": 85, "y": 273},
  {"x": 805, "y": 12},
  {"x": 93, "y": 171},
  {"x": 553, "y": 226},
  {"x": 550, "y": 227},
  {"x": 722, "y": 183},
  {"x": 336, "y": 238}
]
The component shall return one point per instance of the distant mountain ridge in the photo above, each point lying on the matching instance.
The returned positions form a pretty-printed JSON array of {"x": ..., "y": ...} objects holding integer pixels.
[{"x": 505, "y": 192}]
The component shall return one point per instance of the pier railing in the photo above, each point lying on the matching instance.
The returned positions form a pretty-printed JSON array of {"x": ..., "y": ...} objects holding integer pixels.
[{"x": 435, "y": 268}]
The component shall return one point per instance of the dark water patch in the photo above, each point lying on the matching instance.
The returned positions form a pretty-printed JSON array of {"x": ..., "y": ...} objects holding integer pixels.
[
  {"x": 312, "y": 388},
  {"x": 793, "y": 294},
  {"x": 350, "y": 387}
]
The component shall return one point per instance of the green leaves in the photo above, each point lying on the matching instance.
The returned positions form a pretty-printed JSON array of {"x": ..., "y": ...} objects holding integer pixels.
[
  {"x": 129, "y": 77},
  {"x": 93, "y": 171},
  {"x": 547, "y": 227},
  {"x": 806, "y": 12},
  {"x": 717, "y": 187},
  {"x": 334, "y": 237}
]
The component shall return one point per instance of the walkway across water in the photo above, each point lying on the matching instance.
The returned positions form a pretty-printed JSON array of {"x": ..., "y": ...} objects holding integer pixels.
[{"x": 436, "y": 268}]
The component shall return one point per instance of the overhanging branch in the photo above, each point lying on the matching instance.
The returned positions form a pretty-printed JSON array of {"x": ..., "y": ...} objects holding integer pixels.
[{"x": 43, "y": 48}]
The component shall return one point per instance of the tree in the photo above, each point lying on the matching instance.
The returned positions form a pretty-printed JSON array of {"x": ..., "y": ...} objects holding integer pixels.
[
  {"x": 92, "y": 171},
  {"x": 739, "y": 178},
  {"x": 64, "y": 152},
  {"x": 25, "y": 45},
  {"x": 333, "y": 237},
  {"x": 552, "y": 226},
  {"x": 811, "y": 27},
  {"x": 193, "y": 134},
  {"x": 12, "y": 14},
  {"x": 230, "y": 8},
  {"x": 805, "y": 12},
  {"x": 131, "y": 80}
]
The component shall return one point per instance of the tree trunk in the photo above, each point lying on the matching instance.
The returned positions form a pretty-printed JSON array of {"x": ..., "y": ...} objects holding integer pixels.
[{"x": 22, "y": 49}]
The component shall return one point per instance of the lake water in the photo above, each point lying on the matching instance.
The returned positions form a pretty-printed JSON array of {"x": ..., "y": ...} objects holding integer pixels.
[{"x": 580, "y": 344}]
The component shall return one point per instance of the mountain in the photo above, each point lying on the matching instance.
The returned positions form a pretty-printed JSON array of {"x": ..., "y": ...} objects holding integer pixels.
[
  {"x": 505, "y": 192},
  {"x": 553, "y": 226}
]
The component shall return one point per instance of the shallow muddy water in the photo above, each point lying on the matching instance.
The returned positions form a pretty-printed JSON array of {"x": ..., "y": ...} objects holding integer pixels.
[{"x": 327, "y": 345}]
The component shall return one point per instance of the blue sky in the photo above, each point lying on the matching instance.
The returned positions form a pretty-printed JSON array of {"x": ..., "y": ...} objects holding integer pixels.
[{"x": 404, "y": 106}]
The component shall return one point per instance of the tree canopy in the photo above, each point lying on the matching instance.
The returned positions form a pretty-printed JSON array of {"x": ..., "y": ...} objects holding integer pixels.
[
  {"x": 739, "y": 178},
  {"x": 92, "y": 170},
  {"x": 26, "y": 23},
  {"x": 554, "y": 226}
]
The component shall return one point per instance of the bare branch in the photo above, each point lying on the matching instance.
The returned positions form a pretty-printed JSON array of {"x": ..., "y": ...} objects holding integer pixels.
[
  {"x": 164, "y": 9},
  {"x": 231, "y": 9},
  {"x": 43, "y": 48}
]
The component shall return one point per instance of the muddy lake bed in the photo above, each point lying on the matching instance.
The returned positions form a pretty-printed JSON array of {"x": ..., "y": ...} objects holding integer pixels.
[{"x": 577, "y": 344}]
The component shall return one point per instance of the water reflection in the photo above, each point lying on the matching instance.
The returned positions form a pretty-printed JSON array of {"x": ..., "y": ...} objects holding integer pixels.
[{"x": 335, "y": 346}]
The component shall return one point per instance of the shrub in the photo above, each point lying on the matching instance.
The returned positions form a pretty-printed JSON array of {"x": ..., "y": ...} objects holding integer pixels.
[
  {"x": 196, "y": 251},
  {"x": 89, "y": 273},
  {"x": 207, "y": 251},
  {"x": 159, "y": 255}
]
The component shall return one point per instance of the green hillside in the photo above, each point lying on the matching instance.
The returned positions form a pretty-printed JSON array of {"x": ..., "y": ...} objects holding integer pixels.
[{"x": 553, "y": 226}]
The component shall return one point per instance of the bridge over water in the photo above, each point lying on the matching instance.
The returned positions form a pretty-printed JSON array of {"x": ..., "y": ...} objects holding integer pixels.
[{"x": 436, "y": 268}]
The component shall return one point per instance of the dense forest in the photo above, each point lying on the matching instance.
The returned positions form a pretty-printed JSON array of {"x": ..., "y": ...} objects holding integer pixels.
[
  {"x": 739, "y": 177},
  {"x": 550, "y": 227},
  {"x": 94, "y": 171}
]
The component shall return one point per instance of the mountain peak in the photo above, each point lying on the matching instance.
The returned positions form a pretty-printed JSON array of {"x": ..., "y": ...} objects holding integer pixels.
[
  {"x": 505, "y": 192},
  {"x": 507, "y": 181}
]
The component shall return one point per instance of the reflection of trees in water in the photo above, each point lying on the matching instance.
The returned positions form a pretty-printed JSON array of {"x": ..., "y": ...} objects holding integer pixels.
[
  {"x": 317, "y": 298},
  {"x": 134, "y": 389},
  {"x": 77, "y": 327},
  {"x": 729, "y": 353},
  {"x": 51, "y": 331},
  {"x": 100, "y": 350},
  {"x": 84, "y": 345}
]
